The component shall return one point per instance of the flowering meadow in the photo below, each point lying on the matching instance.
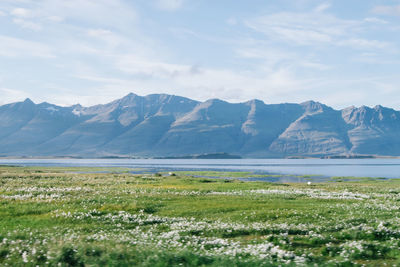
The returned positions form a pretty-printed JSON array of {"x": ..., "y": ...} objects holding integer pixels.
[{"x": 92, "y": 217}]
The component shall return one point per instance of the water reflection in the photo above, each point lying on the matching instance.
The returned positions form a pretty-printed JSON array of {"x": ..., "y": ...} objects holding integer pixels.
[{"x": 291, "y": 170}]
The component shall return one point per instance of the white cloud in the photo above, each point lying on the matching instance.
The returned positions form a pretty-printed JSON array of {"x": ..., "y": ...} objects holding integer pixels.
[
  {"x": 387, "y": 10},
  {"x": 375, "y": 59},
  {"x": 169, "y": 5},
  {"x": 78, "y": 17},
  {"x": 54, "y": 18},
  {"x": 112, "y": 13},
  {"x": 270, "y": 54},
  {"x": 27, "y": 24},
  {"x": 314, "y": 65},
  {"x": 99, "y": 32},
  {"x": 358, "y": 43},
  {"x": 22, "y": 12},
  {"x": 25, "y": 18},
  {"x": 303, "y": 28},
  {"x": 270, "y": 58},
  {"x": 14, "y": 47},
  {"x": 322, "y": 7},
  {"x": 232, "y": 21},
  {"x": 376, "y": 20},
  {"x": 109, "y": 38},
  {"x": 358, "y": 91},
  {"x": 109, "y": 13},
  {"x": 11, "y": 95},
  {"x": 148, "y": 68},
  {"x": 185, "y": 33},
  {"x": 317, "y": 29},
  {"x": 88, "y": 97},
  {"x": 201, "y": 83}
]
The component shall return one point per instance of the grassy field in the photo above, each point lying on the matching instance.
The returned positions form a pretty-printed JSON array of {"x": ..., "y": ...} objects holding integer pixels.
[{"x": 92, "y": 217}]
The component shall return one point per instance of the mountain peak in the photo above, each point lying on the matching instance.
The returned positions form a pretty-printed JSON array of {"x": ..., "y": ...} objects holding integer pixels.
[
  {"x": 214, "y": 101},
  {"x": 128, "y": 99},
  {"x": 130, "y": 95},
  {"x": 76, "y": 106},
  {"x": 312, "y": 106},
  {"x": 379, "y": 107},
  {"x": 28, "y": 101},
  {"x": 255, "y": 102},
  {"x": 311, "y": 103}
]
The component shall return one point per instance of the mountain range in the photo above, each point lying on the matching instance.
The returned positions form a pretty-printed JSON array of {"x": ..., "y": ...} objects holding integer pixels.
[{"x": 167, "y": 125}]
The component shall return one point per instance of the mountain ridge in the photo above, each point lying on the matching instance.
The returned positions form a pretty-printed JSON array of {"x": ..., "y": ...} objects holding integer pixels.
[{"x": 162, "y": 125}]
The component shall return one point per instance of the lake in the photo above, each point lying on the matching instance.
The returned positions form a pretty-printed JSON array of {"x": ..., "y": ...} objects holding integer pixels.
[{"x": 388, "y": 168}]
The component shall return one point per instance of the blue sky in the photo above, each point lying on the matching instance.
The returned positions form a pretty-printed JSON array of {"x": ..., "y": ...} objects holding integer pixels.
[{"x": 340, "y": 52}]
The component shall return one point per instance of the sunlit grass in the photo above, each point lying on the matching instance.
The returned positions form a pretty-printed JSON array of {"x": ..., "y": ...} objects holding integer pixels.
[{"x": 52, "y": 216}]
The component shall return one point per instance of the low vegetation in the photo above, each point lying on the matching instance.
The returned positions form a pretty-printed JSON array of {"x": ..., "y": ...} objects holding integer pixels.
[{"x": 91, "y": 217}]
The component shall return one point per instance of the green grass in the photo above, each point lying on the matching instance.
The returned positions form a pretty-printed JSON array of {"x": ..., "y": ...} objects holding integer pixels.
[
  {"x": 60, "y": 216},
  {"x": 36, "y": 169}
]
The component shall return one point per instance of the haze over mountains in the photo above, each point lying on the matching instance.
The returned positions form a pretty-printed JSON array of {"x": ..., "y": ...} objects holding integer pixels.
[{"x": 168, "y": 125}]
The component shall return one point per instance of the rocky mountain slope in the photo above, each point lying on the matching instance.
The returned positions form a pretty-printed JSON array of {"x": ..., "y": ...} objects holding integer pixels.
[{"x": 167, "y": 125}]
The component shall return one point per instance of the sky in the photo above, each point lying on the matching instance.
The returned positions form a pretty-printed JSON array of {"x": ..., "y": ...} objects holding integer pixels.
[{"x": 337, "y": 52}]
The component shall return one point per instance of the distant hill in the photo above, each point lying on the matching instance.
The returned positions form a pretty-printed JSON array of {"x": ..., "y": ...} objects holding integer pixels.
[{"x": 162, "y": 125}]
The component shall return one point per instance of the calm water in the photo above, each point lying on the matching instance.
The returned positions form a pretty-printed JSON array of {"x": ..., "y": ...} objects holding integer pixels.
[{"x": 388, "y": 168}]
